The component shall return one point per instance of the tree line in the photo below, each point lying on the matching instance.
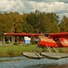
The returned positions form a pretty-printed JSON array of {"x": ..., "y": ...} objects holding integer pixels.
[{"x": 33, "y": 22}]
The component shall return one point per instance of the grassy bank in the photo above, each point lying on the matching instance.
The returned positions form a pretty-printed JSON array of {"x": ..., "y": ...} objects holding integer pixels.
[{"x": 16, "y": 50}]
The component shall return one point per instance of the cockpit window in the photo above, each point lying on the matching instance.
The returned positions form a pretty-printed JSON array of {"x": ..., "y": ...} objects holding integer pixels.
[
  {"x": 49, "y": 37},
  {"x": 55, "y": 39},
  {"x": 58, "y": 38},
  {"x": 46, "y": 35}
]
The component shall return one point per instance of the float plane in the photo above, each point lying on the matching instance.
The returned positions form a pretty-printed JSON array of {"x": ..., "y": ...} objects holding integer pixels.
[{"x": 46, "y": 40}]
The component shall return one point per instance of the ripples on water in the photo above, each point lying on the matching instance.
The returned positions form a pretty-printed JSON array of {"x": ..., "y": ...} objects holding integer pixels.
[{"x": 33, "y": 63}]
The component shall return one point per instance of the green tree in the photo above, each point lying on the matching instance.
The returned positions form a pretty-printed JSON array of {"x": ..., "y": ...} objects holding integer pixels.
[
  {"x": 27, "y": 28},
  {"x": 54, "y": 28},
  {"x": 32, "y": 19},
  {"x": 53, "y": 17},
  {"x": 4, "y": 25},
  {"x": 16, "y": 22},
  {"x": 64, "y": 24}
]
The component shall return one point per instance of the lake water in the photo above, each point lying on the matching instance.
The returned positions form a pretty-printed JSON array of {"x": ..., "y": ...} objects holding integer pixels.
[{"x": 23, "y": 62}]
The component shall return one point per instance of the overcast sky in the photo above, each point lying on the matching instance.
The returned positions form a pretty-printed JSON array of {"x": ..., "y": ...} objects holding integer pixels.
[{"x": 58, "y": 6}]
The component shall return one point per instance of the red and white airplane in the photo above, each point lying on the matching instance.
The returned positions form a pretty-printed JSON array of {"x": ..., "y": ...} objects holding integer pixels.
[
  {"x": 47, "y": 40},
  {"x": 53, "y": 40}
]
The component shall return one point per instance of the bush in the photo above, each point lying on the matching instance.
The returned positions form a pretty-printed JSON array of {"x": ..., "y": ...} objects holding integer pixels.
[
  {"x": 11, "y": 52},
  {"x": 32, "y": 41},
  {"x": 15, "y": 43}
]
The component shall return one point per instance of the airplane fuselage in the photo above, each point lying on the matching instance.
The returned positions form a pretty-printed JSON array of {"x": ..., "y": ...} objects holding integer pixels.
[{"x": 52, "y": 42}]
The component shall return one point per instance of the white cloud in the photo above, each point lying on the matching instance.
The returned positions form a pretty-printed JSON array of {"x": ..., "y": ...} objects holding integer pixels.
[
  {"x": 62, "y": 14},
  {"x": 49, "y": 7},
  {"x": 6, "y": 5},
  {"x": 45, "y": 0},
  {"x": 23, "y": 5},
  {"x": 66, "y": 14},
  {"x": 60, "y": 8},
  {"x": 11, "y": 5},
  {"x": 63, "y": 0},
  {"x": 57, "y": 6}
]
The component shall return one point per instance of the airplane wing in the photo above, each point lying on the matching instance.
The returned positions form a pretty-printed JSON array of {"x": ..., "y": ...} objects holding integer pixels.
[
  {"x": 23, "y": 34},
  {"x": 53, "y": 35},
  {"x": 58, "y": 35}
]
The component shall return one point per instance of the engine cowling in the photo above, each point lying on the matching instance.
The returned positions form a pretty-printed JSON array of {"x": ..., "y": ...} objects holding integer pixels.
[{"x": 41, "y": 40}]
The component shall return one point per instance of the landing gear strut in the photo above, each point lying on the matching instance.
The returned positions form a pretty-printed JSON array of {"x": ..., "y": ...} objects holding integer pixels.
[
  {"x": 43, "y": 47},
  {"x": 50, "y": 49},
  {"x": 38, "y": 48}
]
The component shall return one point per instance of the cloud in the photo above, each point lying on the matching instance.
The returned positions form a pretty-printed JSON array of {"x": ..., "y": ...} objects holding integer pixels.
[
  {"x": 65, "y": 1},
  {"x": 44, "y": 0},
  {"x": 48, "y": 7},
  {"x": 63, "y": 14},
  {"x": 58, "y": 6},
  {"x": 30, "y": 5},
  {"x": 61, "y": 8},
  {"x": 50, "y": 0},
  {"x": 11, "y": 5},
  {"x": 6, "y": 5},
  {"x": 62, "y": 11}
]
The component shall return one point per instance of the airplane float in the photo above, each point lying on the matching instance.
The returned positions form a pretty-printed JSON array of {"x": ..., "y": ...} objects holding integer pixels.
[{"x": 49, "y": 40}]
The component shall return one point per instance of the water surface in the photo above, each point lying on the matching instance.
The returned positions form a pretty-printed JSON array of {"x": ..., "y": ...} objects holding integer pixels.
[{"x": 33, "y": 63}]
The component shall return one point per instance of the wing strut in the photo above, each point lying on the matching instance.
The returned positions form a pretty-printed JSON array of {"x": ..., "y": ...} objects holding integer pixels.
[
  {"x": 55, "y": 49},
  {"x": 36, "y": 49},
  {"x": 48, "y": 48}
]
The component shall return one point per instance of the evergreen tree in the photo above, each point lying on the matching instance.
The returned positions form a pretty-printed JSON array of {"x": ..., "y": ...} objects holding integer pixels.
[
  {"x": 54, "y": 28},
  {"x": 64, "y": 24},
  {"x": 16, "y": 22},
  {"x": 27, "y": 28}
]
